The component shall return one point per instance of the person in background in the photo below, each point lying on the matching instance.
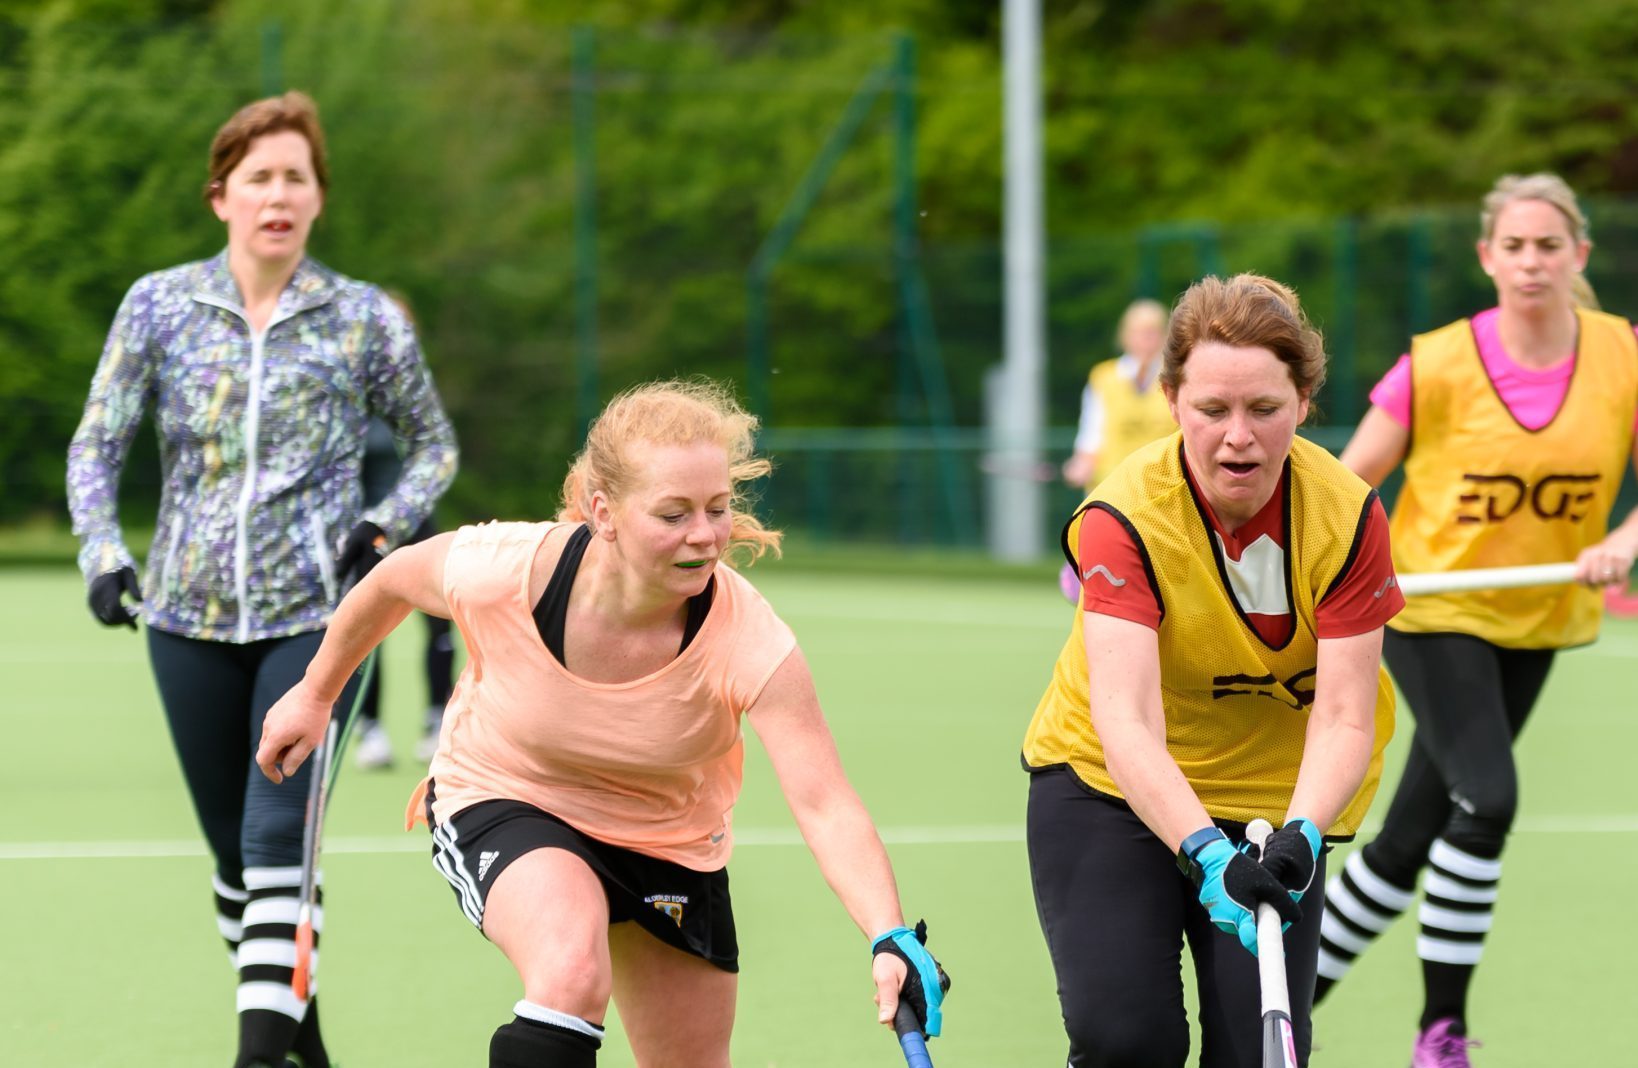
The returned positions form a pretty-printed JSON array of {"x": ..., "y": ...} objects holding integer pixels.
[
  {"x": 1513, "y": 427},
  {"x": 1223, "y": 667},
  {"x": 581, "y": 799},
  {"x": 381, "y": 470},
  {"x": 1122, "y": 407},
  {"x": 262, "y": 367}
]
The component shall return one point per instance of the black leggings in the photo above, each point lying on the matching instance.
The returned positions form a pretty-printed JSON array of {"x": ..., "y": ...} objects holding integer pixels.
[
  {"x": 1115, "y": 911},
  {"x": 1470, "y": 699},
  {"x": 216, "y": 695}
]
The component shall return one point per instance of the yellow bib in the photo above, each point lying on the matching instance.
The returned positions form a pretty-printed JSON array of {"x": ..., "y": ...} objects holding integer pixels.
[
  {"x": 1131, "y": 418},
  {"x": 1236, "y": 708},
  {"x": 1481, "y": 491}
]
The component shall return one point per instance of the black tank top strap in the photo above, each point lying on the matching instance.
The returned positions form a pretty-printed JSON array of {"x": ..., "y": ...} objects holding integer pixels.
[
  {"x": 698, "y": 606},
  {"x": 552, "y": 610}
]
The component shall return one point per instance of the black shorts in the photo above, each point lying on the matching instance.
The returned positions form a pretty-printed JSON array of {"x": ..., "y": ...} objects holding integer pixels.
[{"x": 689, "y": 910}]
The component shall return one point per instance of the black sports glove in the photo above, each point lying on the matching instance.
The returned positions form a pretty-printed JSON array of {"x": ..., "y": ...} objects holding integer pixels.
[
  {"x": 910, "y": 947},
  {"x": 362, "y": 549},
  {"x": 1291, "y": 854},
  {"x": 1232, "y": 884},
  {"x": 107, "y": 589}
]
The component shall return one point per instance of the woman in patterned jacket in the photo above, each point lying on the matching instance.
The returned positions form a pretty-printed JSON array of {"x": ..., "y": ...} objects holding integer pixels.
[{"x": 263, "y": 368}]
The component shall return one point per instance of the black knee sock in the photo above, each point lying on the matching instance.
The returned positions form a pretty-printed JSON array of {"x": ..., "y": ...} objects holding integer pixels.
[
  {"x": 271, "y": 1017},
  {"x": 264, "y": 1038},
  {"x": 533, "y": 1043},
  {"x": 1445, "y": 987},
  {"x": 309, "y": 1044}
]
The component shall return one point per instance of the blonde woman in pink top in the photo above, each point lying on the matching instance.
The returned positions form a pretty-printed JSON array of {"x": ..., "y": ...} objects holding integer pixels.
[{"x": 582, "y": 796}]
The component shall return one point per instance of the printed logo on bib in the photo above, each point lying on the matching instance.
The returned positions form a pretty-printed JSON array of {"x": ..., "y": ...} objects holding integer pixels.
[
  {"x": 670, "y": 904},
  {"x": 1297, "y": 692},
  {"x": 1494, "y": 498}
]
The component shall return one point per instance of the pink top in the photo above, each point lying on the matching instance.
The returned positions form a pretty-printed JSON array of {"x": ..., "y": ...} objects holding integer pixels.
[
  {"x": 652, "y": 765},
  {"x": 1533, "y": 396}
]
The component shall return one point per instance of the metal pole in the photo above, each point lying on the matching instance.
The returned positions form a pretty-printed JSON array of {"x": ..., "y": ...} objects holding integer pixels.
[{"x": 1015, "y": 499}]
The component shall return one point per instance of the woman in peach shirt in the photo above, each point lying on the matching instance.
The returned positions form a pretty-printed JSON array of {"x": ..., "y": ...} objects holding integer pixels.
[{"x": 591, "y": 753}]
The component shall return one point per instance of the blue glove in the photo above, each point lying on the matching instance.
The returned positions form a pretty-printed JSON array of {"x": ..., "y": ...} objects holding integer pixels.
[
  {"x": 1291, "y": 854},
  {"x": 924, "y": 980},
  {"x": 1232, "y": 885}
]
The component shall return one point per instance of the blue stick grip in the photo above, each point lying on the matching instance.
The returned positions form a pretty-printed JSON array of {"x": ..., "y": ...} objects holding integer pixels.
[{"x": 910, "y": 1038}]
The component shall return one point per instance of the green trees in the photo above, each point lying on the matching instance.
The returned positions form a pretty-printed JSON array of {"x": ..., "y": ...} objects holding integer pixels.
[{"x": 454, "y": 153}]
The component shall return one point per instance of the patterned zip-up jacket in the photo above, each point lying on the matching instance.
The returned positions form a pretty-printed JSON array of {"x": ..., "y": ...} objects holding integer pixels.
[{"x": 261, "y": 440}]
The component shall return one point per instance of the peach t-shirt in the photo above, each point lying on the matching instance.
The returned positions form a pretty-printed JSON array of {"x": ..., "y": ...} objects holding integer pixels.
[{"x": 652, "y": 765}]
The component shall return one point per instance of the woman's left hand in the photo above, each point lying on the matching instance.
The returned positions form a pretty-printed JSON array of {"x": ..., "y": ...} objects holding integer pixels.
[
  {"x": 292, "y": 729},
  {"x": 888, "y": 972},
  {"x": 1608, "y": 563},
  {"x": 905, "y": 971}
]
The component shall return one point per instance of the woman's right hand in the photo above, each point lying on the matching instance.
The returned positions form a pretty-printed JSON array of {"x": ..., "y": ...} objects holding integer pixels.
[{"x": 292, "y": 729}]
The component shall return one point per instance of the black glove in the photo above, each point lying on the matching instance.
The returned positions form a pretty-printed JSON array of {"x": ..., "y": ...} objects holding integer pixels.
[
  {"x": 107, "y": 589},
  {"x": 910, "y": 947},
  {"x": 363, "y": 548},
  {"x": 1232, "y": 884},
  {"x": 1291, "y": 853}
]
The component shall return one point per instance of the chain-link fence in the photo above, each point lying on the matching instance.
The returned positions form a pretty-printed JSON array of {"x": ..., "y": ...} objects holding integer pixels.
[{"x": 570, "y": 211}]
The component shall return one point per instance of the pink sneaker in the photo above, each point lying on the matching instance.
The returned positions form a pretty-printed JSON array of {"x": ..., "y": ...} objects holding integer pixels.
[{"x": 1439, "y": 1047}]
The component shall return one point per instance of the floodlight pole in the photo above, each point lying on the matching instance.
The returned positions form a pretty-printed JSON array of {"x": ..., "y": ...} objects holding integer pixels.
[{"x": 1013, "y": 519}]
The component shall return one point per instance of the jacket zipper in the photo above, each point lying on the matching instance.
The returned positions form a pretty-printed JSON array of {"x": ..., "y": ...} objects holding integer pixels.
[
  {"x": 252, "y": 424},
  {"x": 322, "y": 558}
]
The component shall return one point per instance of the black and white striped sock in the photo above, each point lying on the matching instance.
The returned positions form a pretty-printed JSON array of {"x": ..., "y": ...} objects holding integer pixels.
[
  {"x": 230, "y": 915},
  {"x": 1359, "y": 905},
  {"x": 269, "y": 1011},
  {"x": 1458, "y": 899}
]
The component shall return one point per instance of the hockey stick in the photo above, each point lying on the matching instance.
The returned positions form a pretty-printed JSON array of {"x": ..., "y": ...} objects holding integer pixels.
[
  {"x": 1487, "y": 578},
  {"x": 326, "y": 764},
  {"x": 302, "y": 975},
  {"x": 1279, "y": 1042},
  {"x": 911, "y": 1040}
]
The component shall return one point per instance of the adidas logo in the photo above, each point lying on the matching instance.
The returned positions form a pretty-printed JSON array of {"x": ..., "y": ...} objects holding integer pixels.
[{"x": 485, "y": 859}]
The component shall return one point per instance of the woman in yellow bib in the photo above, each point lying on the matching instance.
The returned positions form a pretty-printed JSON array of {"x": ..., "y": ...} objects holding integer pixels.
[
  {"x": 1225, "y": 667},
  {"x": 1123, "y": 407},
  {"x": 1514, "y": 428},
  {"x": 581, "y": 799}
]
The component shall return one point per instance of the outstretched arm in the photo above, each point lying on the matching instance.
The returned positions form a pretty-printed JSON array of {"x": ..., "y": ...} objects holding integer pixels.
[
  {"x": 1378, "y": 445},
  {"x": 828, "y": 812},
  {"x": 1610, "y": 561},
  {"x": 410, "y": 578}
]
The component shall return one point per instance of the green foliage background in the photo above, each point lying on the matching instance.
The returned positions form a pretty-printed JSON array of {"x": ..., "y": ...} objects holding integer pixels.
[{"x": 1299, "y": 131}]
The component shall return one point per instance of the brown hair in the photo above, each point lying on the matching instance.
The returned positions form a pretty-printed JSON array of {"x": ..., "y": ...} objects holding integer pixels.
[
  {"x": 1246, "y": 310},
  {"x": 293, "y": 111},
  {"x": 671, "y": 413}
]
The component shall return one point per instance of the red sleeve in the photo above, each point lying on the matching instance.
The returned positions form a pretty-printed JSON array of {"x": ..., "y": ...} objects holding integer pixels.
[
  {"x": 1366, "y": 595},
  {"x": 1114, "y": 581}
]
